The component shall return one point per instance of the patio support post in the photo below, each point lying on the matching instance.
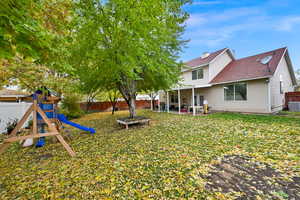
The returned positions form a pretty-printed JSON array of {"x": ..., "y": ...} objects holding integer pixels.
[
  {"x": 168, "y": 106},
  {"x": 158, "y": 105},
  {"x": 179, "y": 103},
  {"x": 193, "y": 100},
  {"x": 151, "y": 101}
]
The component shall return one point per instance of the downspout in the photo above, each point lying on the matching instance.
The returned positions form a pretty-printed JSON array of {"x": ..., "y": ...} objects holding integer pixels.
[{"x": 269, "y": 95}]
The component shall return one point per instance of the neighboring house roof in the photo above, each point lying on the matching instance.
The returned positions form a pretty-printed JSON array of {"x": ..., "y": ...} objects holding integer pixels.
[
  {"x": 12, "y": 93},
  {"x": 203, "y": 61},
  {"x": 250, "y": 68}
]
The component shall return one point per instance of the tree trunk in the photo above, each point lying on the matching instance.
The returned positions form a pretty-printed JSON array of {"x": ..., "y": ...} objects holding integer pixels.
[
  {"x": 113, "y": 104},
  {"x": 88, "y": 105},
  {"x": 132, "y": 107},
  {"x": 153, "y": 96},
  {"x": 90, "y": 99},
  {"x": 113, "y": 110},
  {"x": 153, "y": 104},
  {"x": 129, "y": 91}
]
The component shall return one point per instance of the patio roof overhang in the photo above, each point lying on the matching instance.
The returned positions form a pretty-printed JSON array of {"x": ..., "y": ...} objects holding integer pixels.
[{"x": 184, "y": 87}]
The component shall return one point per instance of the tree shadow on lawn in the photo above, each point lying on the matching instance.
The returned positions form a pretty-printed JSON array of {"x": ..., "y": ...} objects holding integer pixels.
[{"x": 237, "y": 173}]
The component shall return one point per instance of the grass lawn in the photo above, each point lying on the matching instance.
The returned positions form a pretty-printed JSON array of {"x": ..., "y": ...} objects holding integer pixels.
[
  {"x": 290, "y": 114},
  {"x": 175, "y": 157}
]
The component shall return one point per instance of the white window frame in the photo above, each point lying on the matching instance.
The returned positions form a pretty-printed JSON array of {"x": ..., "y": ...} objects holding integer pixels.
[
  {"x": 234, "y": 99},
  {"x": 173, "y": 97},
  {"x": 197, "y": 74},
  {"x": 197, "y": 99},
  {"x": 281, "y": 84}
]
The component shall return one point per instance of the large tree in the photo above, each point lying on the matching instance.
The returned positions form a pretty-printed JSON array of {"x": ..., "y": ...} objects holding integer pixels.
[{"x": 132, "y": 44}]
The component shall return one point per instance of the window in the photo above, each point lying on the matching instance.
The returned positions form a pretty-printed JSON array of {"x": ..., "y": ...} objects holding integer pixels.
[
  {"x": 198, "y": 100},
  {"x": 281, "y": 89},
  {"x": 194, "y": 75},
  {"x": 229, "y": 92},
  {"x": 280, "y": 84},
  {"x": 197, "y": 74},
  {"x": 174, "y": 98},
  {"x": 235, "y": 92},
  {"x": 201, "y": 99},
  {"x": 240, "y": 92}
]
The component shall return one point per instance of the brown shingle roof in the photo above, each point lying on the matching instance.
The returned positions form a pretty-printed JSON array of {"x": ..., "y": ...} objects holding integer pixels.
[
  {"x": 202, "y": 61},
  {"x": 8, "y": 92},
  {"x": 250, "y": 67}
]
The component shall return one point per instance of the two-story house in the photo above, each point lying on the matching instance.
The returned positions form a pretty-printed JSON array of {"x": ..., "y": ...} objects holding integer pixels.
[{"x": 252, "y": 84}]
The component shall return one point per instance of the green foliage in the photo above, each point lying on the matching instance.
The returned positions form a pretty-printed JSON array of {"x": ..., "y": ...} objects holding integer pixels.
[
  {"x": 108, "y": 95},
  {"x": 162, "y": 161},
  {"x": 31, "y": 76},
  {"x": 20, "y": 31},
  {"x": 33, "y": 36},
  {"x": 135, "y": 47},
  {"x": 29, "y": 124},
  {"x": 34, "y": 29},
  {"x": 70, "y": 106}
]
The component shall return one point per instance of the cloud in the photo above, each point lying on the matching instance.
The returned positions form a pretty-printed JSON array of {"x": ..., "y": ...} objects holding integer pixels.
[
  {"x": 214, "y": 36},
  {"x": 215, "y": 17},
  {"x": 288, "y": 23},
  {"x": 207, "y": 2},
  {"x": 215, "y": 28},
  {"x": 212, "y": 28},
  {"x": 196, "y": 20}
]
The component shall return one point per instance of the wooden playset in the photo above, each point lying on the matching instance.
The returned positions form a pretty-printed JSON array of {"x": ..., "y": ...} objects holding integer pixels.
[{"x": 44, "y": 117}]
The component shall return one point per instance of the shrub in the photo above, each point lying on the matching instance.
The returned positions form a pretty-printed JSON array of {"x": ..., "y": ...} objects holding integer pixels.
[
  {"x": 11, "y": 125},
  {"x": 70, "y": 106},
  {"x": 29, "y": 124}
]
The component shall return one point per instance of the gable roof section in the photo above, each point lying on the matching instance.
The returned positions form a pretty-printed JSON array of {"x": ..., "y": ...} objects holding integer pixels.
[
  {"x": 250, "y": 68},
  {"x": 290, "y": 68},
  {"x": 203, "y": 61}
]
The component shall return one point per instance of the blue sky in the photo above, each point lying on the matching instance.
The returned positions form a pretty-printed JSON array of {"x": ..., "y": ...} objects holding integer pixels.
[{"x": 246, "y": 26}]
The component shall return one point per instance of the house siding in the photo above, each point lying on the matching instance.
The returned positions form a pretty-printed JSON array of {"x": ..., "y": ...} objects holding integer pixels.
[
  {"x": 263, "y": 94},
  {"x": 257, "y": 98},
  {"x": 187, "y": 77},
  {"x": 209, "y": 71},
  {"x": 278, "y": 99},
  {"x": 218, "y": 64}
]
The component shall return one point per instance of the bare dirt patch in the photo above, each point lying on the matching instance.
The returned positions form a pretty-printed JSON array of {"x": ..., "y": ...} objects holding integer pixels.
[{"x": 252, "y": 179}]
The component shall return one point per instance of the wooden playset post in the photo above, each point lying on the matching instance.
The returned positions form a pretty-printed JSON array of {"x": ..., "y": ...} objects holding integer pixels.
[{"x": 35, "y": 109}]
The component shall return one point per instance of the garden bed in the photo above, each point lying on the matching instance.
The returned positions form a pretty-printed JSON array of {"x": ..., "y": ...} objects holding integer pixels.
[
  {"x": 241, "y": 174},
  {"x": 126, "y": 121}
]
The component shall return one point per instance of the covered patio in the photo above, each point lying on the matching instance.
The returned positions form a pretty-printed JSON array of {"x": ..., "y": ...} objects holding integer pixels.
[{"x": 183, "y": 100}]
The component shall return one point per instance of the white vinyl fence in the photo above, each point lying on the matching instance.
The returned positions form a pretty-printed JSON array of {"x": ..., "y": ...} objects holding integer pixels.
[{"x": 11, "y": 111}]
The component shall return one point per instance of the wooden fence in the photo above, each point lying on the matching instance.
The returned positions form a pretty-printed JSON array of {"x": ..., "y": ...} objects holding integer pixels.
[
  {"x": 121, "y": 105},
  {"x": 291, "y": 97}
]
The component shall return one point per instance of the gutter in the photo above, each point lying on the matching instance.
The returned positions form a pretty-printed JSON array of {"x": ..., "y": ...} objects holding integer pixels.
[
  {"x": 191, "y": 86},
  {"x": 240, "y": 80},
  {"x": 196, "y": 67}
]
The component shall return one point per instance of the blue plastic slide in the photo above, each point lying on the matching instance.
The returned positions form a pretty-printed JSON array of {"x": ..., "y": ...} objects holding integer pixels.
[{"x": 64, "y": 119}]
